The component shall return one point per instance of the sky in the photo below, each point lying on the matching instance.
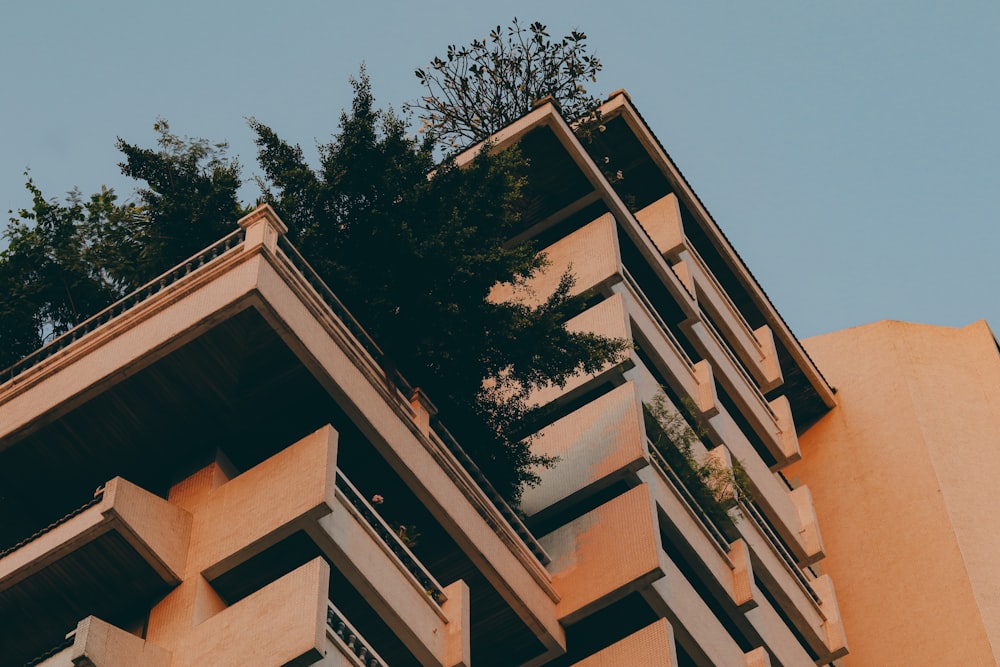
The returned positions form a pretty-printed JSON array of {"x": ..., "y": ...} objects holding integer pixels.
[{"x": 849, "y": 149}]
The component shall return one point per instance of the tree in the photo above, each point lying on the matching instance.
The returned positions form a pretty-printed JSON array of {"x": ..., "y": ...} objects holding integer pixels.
[
  {"x": 49, "y": 280},
  {"x": 66, "y": 261},
  {"x": 415, "y": 259},
  {"x": 478, "y": 89},
  {"x": 190, "y": 201}
]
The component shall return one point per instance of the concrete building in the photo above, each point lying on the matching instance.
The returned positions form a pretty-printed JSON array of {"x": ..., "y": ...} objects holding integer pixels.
[
  {"x": 247, "y": 443},
  {"x": 902, "y": 471}
]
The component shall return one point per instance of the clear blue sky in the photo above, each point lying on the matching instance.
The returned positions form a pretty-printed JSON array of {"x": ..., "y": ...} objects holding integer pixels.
[{"x": 848, "y": 149}]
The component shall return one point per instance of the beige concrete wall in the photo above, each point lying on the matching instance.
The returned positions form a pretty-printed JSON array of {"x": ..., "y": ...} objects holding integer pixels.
[
  {"x": 604, "y": 555},
  {"x": 902, "y": 473},
  {"x": 596, "y": 444},
  {"x": 653, "y": 645}
]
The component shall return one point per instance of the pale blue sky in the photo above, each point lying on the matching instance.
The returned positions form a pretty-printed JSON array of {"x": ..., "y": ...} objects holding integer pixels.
[{"x": 848, "y": 149}]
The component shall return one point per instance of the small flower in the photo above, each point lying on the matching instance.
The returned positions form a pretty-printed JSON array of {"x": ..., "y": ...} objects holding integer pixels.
[
  {"x": 619, "y": 175},
  {"x": 606, "y": 159},
  {"x": 377, "y": 499},
  {"x": 601, "y": 128}
]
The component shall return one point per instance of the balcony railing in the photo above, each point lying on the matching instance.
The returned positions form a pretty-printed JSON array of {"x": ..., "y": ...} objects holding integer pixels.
[
  {"x": 696, "y": 510},
  {"x": 118, "y": 307},
  {"x": 751, "y": 511},
  {"x": 391, "y": 540},
  {"x": 98, "y": 496},
  {"x": 350, "y": 640},
  {"x": 655, "y": 317}
]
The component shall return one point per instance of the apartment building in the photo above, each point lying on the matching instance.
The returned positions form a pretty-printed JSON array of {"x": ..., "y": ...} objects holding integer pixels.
[{"x": 213, "y": 471}]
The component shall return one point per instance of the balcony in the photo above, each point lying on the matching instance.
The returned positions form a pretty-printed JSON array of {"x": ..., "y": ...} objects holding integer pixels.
[
  {"x": 622, "y": 531},
  {"x": 596, "y": 446},
  {"x": 192, "y": 361},
  {"x": 121, "y": 550}
]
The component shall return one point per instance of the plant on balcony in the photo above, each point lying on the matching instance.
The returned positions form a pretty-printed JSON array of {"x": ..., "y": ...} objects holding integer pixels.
[{"x": 715, "y": 487}]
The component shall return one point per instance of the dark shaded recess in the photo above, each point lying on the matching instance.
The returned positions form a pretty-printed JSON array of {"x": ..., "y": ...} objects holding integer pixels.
[
  {"x": 553, "y": 179},
  {"x": 784, "y": 618},
  {"x": 104, "y": 578},
  {"x": 659, "y": 296},
  {"x": 237, "y": 387},
  {"x": 604, "y": 628},
  {"x": 563, "y": 228},
  {"x": 642, "y": 182},
  {"x": 714, "y": 596},
  {"x": 575, "y": 511}
]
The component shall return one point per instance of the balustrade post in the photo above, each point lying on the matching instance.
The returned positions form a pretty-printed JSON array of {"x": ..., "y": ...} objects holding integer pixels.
[{"x": 263, "y": 227}]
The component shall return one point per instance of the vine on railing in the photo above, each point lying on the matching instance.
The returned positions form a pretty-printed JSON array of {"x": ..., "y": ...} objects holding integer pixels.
[
  {"x": 79, "y": 510},
  {"x": 128, "y": 301},
  {"x": 391, "y": 540},
  {"x": 351, "y": 639},
  {"x": 706, "y": 521}
]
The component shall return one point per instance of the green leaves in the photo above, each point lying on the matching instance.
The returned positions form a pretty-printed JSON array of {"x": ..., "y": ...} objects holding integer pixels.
[
  {"x": 480, "y": 88},
  {"x": 415, "y": 260}
]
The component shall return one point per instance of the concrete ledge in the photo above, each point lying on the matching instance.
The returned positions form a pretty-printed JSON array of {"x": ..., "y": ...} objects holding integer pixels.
[
  {"x": 283, "y": 623},
  {"x": 604, "y": 555}
]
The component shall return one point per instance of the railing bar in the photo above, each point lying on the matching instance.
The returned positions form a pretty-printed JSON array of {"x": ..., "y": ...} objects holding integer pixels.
[
  {"x": 391, "y": 539},
  {"x": 106, "y": 314},
  {"x": 725, "y": 295},
  {"x": 55, "y": 524},
  {"x": 655, "y": 316},
  {"x": 353, "y": 642},
  {"x": 754, "y": 389},
  {"x": 689, "y": 499},
  {"x": 776, "y": 543}
]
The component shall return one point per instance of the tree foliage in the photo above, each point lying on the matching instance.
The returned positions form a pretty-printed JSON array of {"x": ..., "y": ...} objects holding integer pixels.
[
  {"x": 415, "y": 259},
  {"x": 715, "y": 487},
  {"x": 66, "y": 261},
  {"x": 478, "y": 89}
]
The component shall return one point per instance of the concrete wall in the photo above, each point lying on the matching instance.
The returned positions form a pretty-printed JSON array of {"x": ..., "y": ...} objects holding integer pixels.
[{"x": 902, "y": 473}]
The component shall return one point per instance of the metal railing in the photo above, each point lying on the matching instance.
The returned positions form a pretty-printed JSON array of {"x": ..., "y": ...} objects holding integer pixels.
[
  {"x": 350, "y": 640},
  {"x": 752, "y": 512},
  {"x": 34, "y": 536},
  {"x": 391, "y": 540},
  {"x": 655, "y": 316},
  {"x": 692, "y": 504},
  {"x": 128, "y": 301},
  {"x": 740, "y": 369}
]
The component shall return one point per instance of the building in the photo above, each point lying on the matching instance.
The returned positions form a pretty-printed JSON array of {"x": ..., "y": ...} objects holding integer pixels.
[
  {"x": 242, "y": 435},
  {"x": 902, "y": 471}
]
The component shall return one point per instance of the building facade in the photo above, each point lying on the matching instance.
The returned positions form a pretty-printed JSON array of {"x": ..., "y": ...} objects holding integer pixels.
[
  {"x": 902, "y": 471},
  {"x": 252, "y": 456}
]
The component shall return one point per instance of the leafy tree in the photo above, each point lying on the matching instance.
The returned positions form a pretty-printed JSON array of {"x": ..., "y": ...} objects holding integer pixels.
[
  {"x": 67, "y": 261},
  {"x": 49, "y": 279},
  {"x": 190, "y": 201},
  {"x": 478, "y": 89},
  {"x": 415, "y": 259}
]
